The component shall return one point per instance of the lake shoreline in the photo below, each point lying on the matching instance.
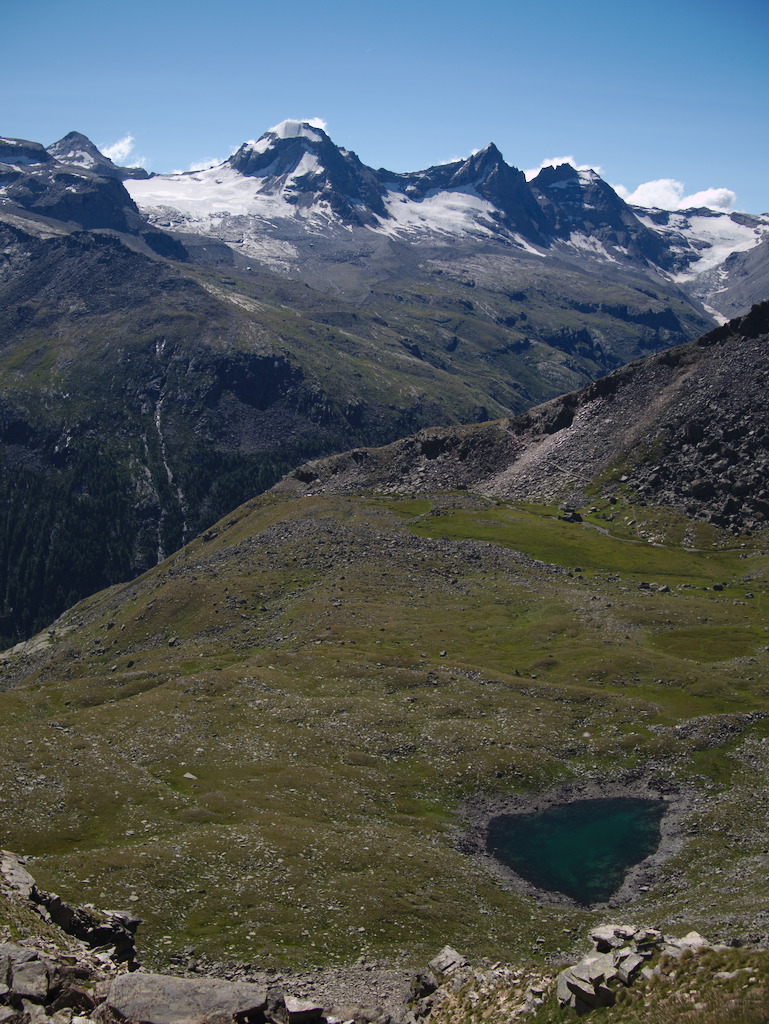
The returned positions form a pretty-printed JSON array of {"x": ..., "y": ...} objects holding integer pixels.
[{"x": 476, "y": 814}]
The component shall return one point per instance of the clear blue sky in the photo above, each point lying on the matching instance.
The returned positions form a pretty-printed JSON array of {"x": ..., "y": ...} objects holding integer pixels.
[{"x": 675, "y": 89}]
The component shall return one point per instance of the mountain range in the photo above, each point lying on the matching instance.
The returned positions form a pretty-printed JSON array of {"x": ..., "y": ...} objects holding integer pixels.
[
  {"x": 171, "y": 345},
  {"x": 295, "y": 173}
]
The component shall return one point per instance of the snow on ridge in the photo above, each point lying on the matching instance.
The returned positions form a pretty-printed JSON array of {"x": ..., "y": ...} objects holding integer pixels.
[
  {"x": 307, "y": 165},
  {"x": 19, "y": 160},
  {"x": 199, "y": 198},
  {"x": 297, "y": 130},
  {"x": 714, "y": 235},
  {"x": 79, "y": 158},
  {"x": 454, "y": 212},
  {"x": 592, "y": 246}
]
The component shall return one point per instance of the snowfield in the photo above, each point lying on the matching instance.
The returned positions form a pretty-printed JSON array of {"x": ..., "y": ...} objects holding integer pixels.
[{"x": 714, "y": 235}]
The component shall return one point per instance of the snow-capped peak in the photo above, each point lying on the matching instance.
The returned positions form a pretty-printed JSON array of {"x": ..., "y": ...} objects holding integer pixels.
[
  {"x": 285, "y": 130},
  {"x": 297, "y": 130},
  {"x": 587, "y": 175}
]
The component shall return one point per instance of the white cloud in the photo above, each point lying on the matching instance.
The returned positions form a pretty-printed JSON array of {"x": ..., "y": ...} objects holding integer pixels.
[
  {"x": 556, "y": 160},
  {"x": 204, "y": 165},
  {"x": 669, "y": 194},
  {"x": 120, "y": 150},
  {"x": 716, "y": 198},
  {"x": 313, "y": 122}
]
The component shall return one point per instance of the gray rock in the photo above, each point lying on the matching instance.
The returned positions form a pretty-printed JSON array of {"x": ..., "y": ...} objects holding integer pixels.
[
  {"x": 30, "y": 981},
  {"x": 580, "y": 988},
  {"x": 299, "y": 1011},
  {"x": 35, "y": 1012},
  {"x": 16, "y": 875},
  {"x": 605, "y": 996},
  {"x": 596, "y": 969},
  {"x": 628, "y": 966},
  {"x": 12, "y": 956},
  {"x": 648, "y": 938},
  {"x": 159, "y": 999},
  {"x": 612, "y": 936},
  {"x": 447, "y": 961},
  {"x": 563, "y": 993},
  {"x": 693, "y": 941}
]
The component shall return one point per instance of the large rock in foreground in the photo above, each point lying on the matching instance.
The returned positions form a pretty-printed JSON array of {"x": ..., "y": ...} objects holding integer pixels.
[{"x": 158, "y": 999}]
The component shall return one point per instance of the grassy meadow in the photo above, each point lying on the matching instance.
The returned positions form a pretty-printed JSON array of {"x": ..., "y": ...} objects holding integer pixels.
[{"x": 265, "y": 746}]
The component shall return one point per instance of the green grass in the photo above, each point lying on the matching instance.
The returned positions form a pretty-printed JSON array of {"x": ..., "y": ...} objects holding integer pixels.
[
  {"x": 537, "y": 531},
  {"x": 339, "y": 675}
]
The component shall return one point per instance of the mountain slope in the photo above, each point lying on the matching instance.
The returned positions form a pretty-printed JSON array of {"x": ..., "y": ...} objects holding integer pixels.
[
  {"x": 685, "y": 428},
  {"x": 137, "y": 407},
  {"x": 149, "y": 383},
  {"x": 286, "y": 305},
  {"x": 283, "y": 744}
]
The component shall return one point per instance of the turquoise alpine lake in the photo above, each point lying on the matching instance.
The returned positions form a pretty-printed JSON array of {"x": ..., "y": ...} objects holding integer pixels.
[{"x": 581, "y": 849}]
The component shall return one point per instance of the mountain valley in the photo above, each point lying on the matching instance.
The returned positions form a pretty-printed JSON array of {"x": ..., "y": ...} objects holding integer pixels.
[
  {"x": 286, "y": 740},
  {"x": 172, "y": 345}
]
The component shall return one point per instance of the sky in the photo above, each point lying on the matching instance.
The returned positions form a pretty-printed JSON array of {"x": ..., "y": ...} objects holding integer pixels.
[{"x": 671, "y": 97}]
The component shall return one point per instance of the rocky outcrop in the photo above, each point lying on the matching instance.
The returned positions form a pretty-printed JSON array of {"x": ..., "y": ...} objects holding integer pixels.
[
  {"x": 45, "y": 982},
  {"x": 682, "y": 429},
  {"x": 622, "y": 952},
  {"x": 112, "y": 932}
]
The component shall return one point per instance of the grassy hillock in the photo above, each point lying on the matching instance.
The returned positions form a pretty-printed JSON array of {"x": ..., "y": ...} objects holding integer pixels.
[{"x": 269, "y": 746}]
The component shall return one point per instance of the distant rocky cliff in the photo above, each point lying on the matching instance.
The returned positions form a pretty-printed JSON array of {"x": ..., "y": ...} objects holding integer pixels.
[{"x": 686, "y": 428}]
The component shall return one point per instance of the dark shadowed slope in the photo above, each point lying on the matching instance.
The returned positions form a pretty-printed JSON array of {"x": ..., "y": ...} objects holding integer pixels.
[{"x": 686, "y": 428}]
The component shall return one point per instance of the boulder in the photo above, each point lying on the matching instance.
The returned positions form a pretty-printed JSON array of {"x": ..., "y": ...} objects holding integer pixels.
[
  {"x": 596, "y": 969},
  {"x": 612, "y": 936},
  {"x": 30, "y": 980},
  {"x": 16, "y": 875},
  {"x": 575, "y": 987},
  {"x": 12, "y": 956},
  {"x": 23, "y": 974},
  {"x": 447, "y": 961},
  {"x": 300, "y": 1011},
  {"x": 628, "y": 965},
  {"x": 692, "y": 941},
  {"x": 160, "y": 999}
]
